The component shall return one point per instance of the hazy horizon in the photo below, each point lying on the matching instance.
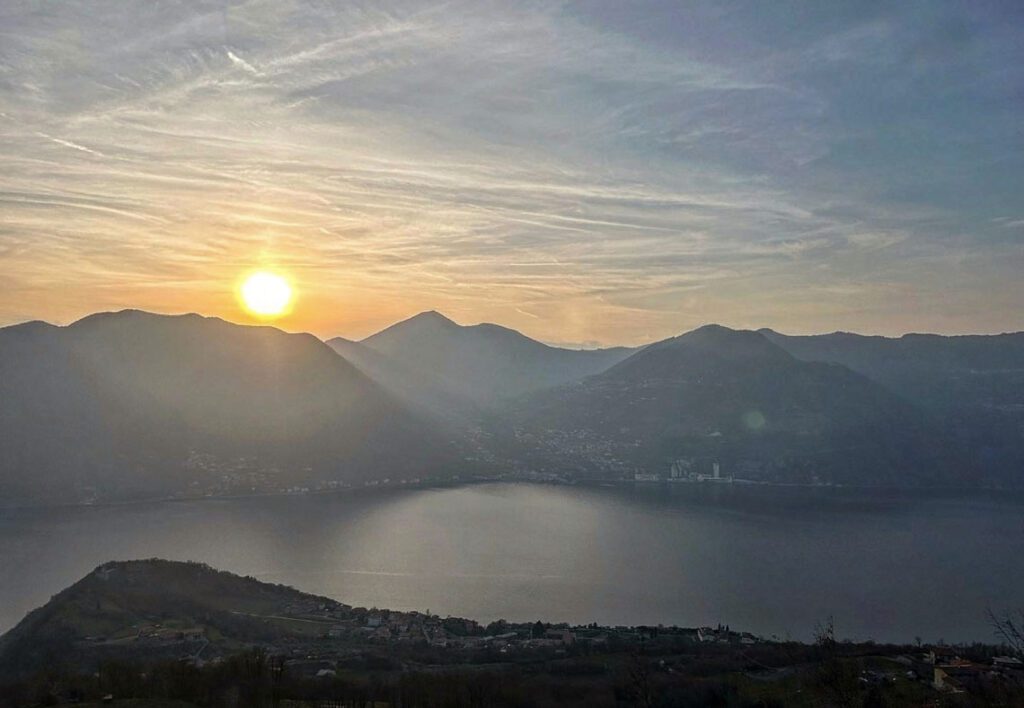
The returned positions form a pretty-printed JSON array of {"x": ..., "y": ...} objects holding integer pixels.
[{"x": 559, "y": 344}]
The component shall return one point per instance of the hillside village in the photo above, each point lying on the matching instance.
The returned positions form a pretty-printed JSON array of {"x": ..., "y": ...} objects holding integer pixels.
[{"x": 153, "y": 617}]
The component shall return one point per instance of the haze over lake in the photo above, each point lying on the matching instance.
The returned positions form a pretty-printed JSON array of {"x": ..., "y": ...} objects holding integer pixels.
[{"x": 771, "y": 561}]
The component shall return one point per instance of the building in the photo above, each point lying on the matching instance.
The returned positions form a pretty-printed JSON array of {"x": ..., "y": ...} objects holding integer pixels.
[
  {"x": 681, "y": 468},
  {"x": 564, "y": 636}
]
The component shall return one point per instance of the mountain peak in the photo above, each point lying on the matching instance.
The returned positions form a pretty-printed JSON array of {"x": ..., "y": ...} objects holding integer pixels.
[
  {"x": 706, "y": 347},
  {"x": 433, "y": 316},
  {"x": 30, "y": 327},
  {"x": 483, "y": 363},
  {"x": 135, "y": 316},
  {"x": 727, "y": 342},
  {"x": 714, "y": 332},
  {"x": 425, "y": 323}
]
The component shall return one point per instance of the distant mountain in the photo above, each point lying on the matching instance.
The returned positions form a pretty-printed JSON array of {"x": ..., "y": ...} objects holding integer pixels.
[
  {"x": 132, "y": 404},
  {"x": 484, "y": 364},
  {"x": 974, "y": 383},
  {"x": 717, "y": 394},
  {"x": 934, "y": 370},
  {"x": 425, "y": 393},
  {"x": 147, "y": 610}
]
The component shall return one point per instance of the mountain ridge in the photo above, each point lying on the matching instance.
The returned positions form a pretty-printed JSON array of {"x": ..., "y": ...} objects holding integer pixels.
[
  {"x": 973, "y": 383},
  {"x": 155, "y": 404},
  {"x": 179, "y": 399},
  {"x": 734, "y": 396},
  {"x": 484, "y": 363}
]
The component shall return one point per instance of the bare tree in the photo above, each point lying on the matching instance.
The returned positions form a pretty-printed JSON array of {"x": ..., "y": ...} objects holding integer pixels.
[
  {"x": 836, "y": 675},
  {"x": 1010, "y": 628},
  {"x": 640, "y": 680},
  {"x": 825, "y": 637}
]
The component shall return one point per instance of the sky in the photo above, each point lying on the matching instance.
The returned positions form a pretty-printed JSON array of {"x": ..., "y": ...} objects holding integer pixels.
[{"x": 589, "y": 173}]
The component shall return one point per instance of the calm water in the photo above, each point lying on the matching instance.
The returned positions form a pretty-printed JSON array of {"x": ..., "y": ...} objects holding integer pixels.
[{"x": 770, "y": 561}]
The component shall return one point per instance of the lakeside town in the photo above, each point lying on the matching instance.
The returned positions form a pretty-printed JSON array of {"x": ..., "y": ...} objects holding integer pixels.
[{"x": 243, "y": 476}]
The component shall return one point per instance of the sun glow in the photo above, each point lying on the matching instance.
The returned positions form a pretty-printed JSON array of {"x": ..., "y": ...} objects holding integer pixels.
[{"x": 266, "y": 294}]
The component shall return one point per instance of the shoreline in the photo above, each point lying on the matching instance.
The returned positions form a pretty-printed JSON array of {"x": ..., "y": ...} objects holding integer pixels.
[{"x": 562, "y": 482}]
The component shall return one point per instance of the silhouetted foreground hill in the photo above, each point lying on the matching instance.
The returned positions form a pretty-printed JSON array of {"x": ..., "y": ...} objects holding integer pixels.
[
  {"x": 734, "y": 397},
  {"x": 160, "y": 633},
  {"x": 155, "y": 609},
  {"x": 132, "y": 404}
]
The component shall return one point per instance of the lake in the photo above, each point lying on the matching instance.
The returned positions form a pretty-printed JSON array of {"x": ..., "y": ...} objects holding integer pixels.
[{"x": 887, "y": 566}]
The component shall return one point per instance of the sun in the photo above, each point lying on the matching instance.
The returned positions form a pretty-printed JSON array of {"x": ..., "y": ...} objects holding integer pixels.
[{"x": 266, "y": 294}]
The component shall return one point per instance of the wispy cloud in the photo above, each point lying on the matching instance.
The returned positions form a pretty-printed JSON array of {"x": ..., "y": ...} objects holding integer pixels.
[
  {"x": 69, "y": 144},
  {"x": 677, "y": 164}
]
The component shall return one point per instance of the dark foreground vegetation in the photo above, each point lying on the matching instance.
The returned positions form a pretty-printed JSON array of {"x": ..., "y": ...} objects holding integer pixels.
[
  {"x": 160, "y": 633},
  {"x": 657, "y": 675}
]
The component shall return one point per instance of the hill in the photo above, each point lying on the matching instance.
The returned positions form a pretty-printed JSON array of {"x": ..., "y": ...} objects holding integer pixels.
[
  {"x": 156, "y": 609},
  {"x": 129, "y": 404},
  {"x": 716, "y": 394},
  {"x": 483, "y": 364},
  {"x": 974, "y": 383}
]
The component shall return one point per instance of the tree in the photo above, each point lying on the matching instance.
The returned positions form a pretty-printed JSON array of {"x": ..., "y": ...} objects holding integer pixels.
[
  {"x": 497, "y": 627},
  {"x": 837, "y": 677},
  {"x": 825, "y": 638},
  {"x": 640, "y": 681},
  {"x": 1009, "y": 627}
]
